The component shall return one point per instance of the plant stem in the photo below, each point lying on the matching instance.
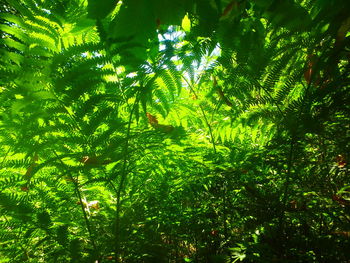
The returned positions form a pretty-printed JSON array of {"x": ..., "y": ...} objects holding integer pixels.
[
  {"x": 77, "y": 191},
  {"x": 121, "y": 184}
]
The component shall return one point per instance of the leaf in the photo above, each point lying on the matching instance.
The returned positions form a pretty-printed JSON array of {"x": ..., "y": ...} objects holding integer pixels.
[
  {"x": 98, "y": 9},
  {"x": 169, "y": 12},
  {"x": 186, "y": 23},
  {"x": 152, "y": 119},
  {"x": 136, "y": 20},
  {"x": 131, "y": 31},
  {"x": 288, "y": 14},
  {"x": 165, "y": 128},
  {"x": 83, "y": 25}
]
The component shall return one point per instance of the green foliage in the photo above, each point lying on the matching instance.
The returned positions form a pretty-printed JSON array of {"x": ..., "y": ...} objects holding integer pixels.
[{"x": 125, "y": 139}]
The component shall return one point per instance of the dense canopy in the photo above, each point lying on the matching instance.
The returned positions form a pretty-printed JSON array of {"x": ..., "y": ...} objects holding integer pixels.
[{"x": 212, "y": 131}]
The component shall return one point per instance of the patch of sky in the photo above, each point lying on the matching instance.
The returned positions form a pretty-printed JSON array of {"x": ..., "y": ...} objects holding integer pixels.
[{"x": 46, "y": 11}]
